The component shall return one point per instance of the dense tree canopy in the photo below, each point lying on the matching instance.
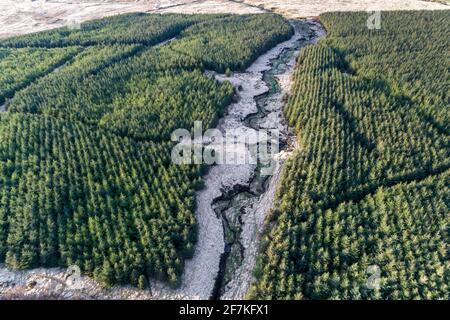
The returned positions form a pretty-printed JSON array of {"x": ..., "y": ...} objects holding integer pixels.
[
  {"x": 416, "y": 60},
  {"x": 72, "y": 195},
  {"x": 140, "y": 97},
  {"x": 369, "y": 186}
]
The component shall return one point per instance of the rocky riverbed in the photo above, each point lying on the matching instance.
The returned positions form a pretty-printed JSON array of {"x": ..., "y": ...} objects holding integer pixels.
[{"x": 237, "y": 197}]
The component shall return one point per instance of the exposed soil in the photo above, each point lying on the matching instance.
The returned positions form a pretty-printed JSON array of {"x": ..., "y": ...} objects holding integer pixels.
[
  {"x": 213, "y": 6},
  {"x": 246, "y": 212},
  {"x": 25, "y": 16}
]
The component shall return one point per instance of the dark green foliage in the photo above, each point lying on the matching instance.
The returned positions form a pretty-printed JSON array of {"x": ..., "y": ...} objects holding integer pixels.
[
  {"x": 140, "y": 97},
  {"x": 233, "y": 42},
  {"x": 85, "y": 171},
  {"x": 369, "y": 185},
  {"x": 402, "y": 229},
  {"x": 132, "y": 28},
  {"x": 161, "y": 103},
  {"x": 351, "y": 131},
  {"x": 415, "y": 56},
  {"x": 127, "y": 97},
  {"x": 20, "y": 67}
]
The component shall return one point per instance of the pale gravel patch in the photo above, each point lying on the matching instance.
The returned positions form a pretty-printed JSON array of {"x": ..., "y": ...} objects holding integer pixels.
[
  {"x": 201, "y": 271},
  {"x": 25, "y": 16},
  {"x": 22, "y": 17},
  {"x": 44, "y": 283}
]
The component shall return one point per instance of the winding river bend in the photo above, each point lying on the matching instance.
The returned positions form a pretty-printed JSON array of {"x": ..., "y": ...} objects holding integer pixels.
[
  {"x": 236, "y": 198},
  {"x": 235, "y": 201}
]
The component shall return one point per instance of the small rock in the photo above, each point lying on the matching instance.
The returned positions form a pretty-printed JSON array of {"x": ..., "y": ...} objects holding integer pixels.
[{"x": 32, "y": 284}]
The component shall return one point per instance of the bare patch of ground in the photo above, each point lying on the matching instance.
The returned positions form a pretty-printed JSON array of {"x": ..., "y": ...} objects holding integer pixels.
[
  {"x": 313, "y": 8},
  {"x": 21, "y": 17},
  {"x": 213, "y": 6}
]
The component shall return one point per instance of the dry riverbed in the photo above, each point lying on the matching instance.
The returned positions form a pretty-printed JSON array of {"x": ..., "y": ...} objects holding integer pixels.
[
  {"x": 277, "y": 67},
  {"x": 25, "y": 16},
  {"x": 236, "y": 198}
]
